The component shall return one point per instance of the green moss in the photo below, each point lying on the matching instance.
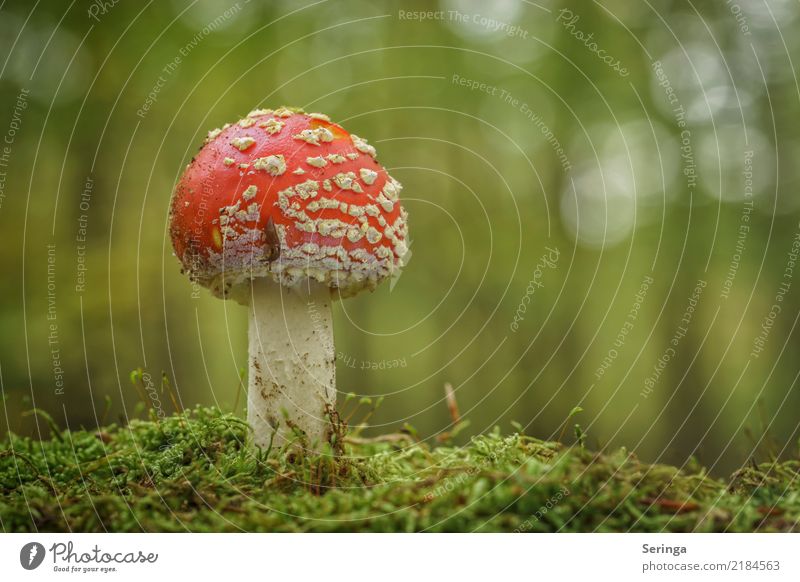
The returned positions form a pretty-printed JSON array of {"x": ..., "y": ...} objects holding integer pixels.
[{"x": 193, "y": 472}]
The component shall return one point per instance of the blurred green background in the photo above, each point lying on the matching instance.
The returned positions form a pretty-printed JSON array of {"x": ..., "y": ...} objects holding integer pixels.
[{"x": 514, "y": 127}]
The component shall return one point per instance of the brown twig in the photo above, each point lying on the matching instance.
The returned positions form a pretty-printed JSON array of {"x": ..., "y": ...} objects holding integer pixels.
[{"x": 452, "y": 405}]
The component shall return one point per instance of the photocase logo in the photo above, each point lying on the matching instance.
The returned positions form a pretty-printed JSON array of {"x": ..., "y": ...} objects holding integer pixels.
[{"x": 31, "y": 555}]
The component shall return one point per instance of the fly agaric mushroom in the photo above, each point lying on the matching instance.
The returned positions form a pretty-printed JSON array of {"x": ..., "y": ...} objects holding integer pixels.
[{"x": 285, "y": 211}]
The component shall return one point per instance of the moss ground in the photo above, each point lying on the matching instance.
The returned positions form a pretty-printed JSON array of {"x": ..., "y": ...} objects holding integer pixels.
[{"x": 194, "y": 472}]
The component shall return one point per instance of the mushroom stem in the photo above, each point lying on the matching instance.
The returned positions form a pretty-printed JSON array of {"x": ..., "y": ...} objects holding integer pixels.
[{"x": 292, "y": 379}]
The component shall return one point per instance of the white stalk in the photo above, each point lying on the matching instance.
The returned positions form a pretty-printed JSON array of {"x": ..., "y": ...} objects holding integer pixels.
[{"x": 292, "y": 362}]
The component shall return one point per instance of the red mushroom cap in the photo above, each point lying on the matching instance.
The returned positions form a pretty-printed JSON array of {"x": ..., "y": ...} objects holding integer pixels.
[{"x": 289, "y": 195}]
